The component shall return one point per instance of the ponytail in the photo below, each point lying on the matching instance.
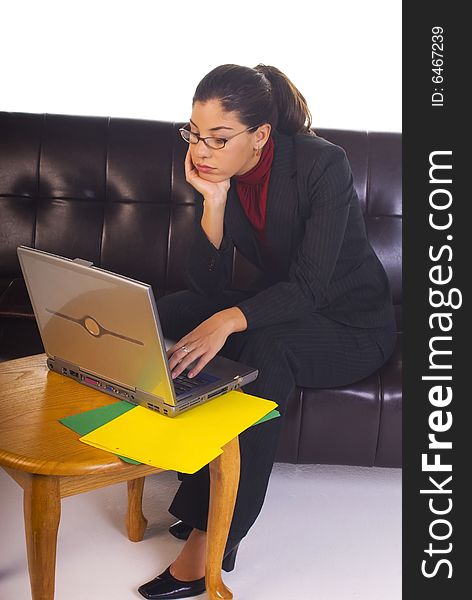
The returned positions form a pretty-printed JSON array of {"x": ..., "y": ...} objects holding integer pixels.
[
  {"x": 260, "y": 95},
  {"x": 293, "y": 114}
]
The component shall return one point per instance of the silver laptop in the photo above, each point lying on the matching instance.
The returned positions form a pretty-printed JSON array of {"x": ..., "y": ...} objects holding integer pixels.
[{"x": 102, "y": 329}]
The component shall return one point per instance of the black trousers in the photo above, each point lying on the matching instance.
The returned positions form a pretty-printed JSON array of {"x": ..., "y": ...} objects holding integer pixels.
[{"x": 312, "y": 351}]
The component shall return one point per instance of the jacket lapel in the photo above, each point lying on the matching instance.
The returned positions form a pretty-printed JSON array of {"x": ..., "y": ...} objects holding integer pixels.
[
  {"x": 281, "y": 206},
  {"x": 240, "y": 229}
]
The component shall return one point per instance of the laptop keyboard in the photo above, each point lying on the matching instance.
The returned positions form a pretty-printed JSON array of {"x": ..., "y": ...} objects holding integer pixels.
[{"x": 185, "y": 385}]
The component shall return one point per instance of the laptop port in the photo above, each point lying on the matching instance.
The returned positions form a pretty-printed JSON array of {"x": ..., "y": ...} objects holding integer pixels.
[
  {"x": 218, "y": 392},
  {"x": 74, "y": 373}
]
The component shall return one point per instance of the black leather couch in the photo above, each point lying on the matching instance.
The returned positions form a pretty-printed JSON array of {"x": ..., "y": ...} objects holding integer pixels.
[{"x": 113, "y": 191}]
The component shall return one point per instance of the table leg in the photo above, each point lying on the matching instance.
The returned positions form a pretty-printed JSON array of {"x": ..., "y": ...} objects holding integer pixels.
[
  {"x": 42, "y": 512},
  {"x": 224, "y": 480},
  {"x": 136, "y": 522}
]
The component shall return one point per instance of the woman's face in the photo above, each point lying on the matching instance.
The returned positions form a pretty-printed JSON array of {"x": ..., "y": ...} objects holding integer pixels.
[{"x": 238, "y": 156}]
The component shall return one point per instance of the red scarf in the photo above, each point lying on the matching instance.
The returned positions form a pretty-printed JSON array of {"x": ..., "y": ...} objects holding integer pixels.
[{"x": 253, "y": 187}]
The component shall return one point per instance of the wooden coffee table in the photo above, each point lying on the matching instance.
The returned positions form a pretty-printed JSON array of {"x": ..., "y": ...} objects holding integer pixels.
[{"x": 49, "y": 462}]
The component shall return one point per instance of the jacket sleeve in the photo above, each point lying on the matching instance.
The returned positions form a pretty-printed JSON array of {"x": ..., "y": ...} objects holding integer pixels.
[
  {"x": 208, "y": 269},
  {"x": 329, "y": 188}
]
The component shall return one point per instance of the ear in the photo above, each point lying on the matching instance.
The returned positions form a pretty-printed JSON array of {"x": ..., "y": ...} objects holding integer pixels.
[{"x": 262, "y": 134}]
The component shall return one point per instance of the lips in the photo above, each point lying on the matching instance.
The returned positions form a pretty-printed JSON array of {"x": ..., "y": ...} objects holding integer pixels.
[{"x": 205, "y": 168}]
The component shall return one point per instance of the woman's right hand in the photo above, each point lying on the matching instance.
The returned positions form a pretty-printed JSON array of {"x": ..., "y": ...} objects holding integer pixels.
[{"x": 214, "y": 193}]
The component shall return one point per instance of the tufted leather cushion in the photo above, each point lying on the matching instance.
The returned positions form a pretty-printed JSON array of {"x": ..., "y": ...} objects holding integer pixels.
[{"x": 113, "y": 191}]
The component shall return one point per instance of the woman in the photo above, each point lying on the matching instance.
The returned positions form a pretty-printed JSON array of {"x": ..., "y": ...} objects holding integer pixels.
[{"x": 320, "y": 314}]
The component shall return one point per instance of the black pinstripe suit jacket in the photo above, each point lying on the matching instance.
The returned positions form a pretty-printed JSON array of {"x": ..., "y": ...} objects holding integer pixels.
[{"x": 317, "y": 257}]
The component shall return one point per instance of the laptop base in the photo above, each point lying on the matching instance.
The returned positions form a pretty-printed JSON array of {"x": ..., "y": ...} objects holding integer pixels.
[{"x": 139, "y": 397}]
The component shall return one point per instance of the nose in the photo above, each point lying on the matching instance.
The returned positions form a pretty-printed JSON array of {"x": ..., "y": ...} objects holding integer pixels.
[{"x": 201, "y": 150}]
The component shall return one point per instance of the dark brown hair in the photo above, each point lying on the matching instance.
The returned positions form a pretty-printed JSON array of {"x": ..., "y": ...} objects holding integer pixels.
[{"x": 260, "y": 95}]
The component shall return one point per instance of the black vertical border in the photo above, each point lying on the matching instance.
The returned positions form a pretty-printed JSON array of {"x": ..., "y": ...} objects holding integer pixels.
[{"x": 426, "y": 129}]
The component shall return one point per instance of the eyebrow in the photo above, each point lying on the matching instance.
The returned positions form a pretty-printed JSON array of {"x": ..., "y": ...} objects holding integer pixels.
[{"x": 213, "y": 128}]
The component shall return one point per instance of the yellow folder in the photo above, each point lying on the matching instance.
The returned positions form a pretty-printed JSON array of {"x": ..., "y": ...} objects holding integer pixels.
[{"x": 184, "y": 443}]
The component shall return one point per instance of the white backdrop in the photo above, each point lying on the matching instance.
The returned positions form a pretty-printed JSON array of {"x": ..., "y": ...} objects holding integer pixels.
[{"x": 144, "y": 58}]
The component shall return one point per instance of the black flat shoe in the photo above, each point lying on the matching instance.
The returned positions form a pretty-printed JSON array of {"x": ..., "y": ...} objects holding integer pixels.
[{"x": 166, "y": 585}]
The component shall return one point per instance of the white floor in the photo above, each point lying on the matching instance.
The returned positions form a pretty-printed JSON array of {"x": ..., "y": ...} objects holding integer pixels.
[{"x": 325, "y": 533}]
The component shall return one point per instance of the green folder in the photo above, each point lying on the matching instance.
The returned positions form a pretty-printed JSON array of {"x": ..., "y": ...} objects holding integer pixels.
[
  {"x": 272, "y": 415},
  {"x": 90, "y": 420}
]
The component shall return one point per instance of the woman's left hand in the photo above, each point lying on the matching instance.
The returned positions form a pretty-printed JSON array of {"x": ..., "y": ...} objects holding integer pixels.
[{"x": 205, "y": 341}]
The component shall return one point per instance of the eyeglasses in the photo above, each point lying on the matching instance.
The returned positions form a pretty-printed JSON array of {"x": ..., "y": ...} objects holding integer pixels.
[{"x": 216, "y": 143}]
